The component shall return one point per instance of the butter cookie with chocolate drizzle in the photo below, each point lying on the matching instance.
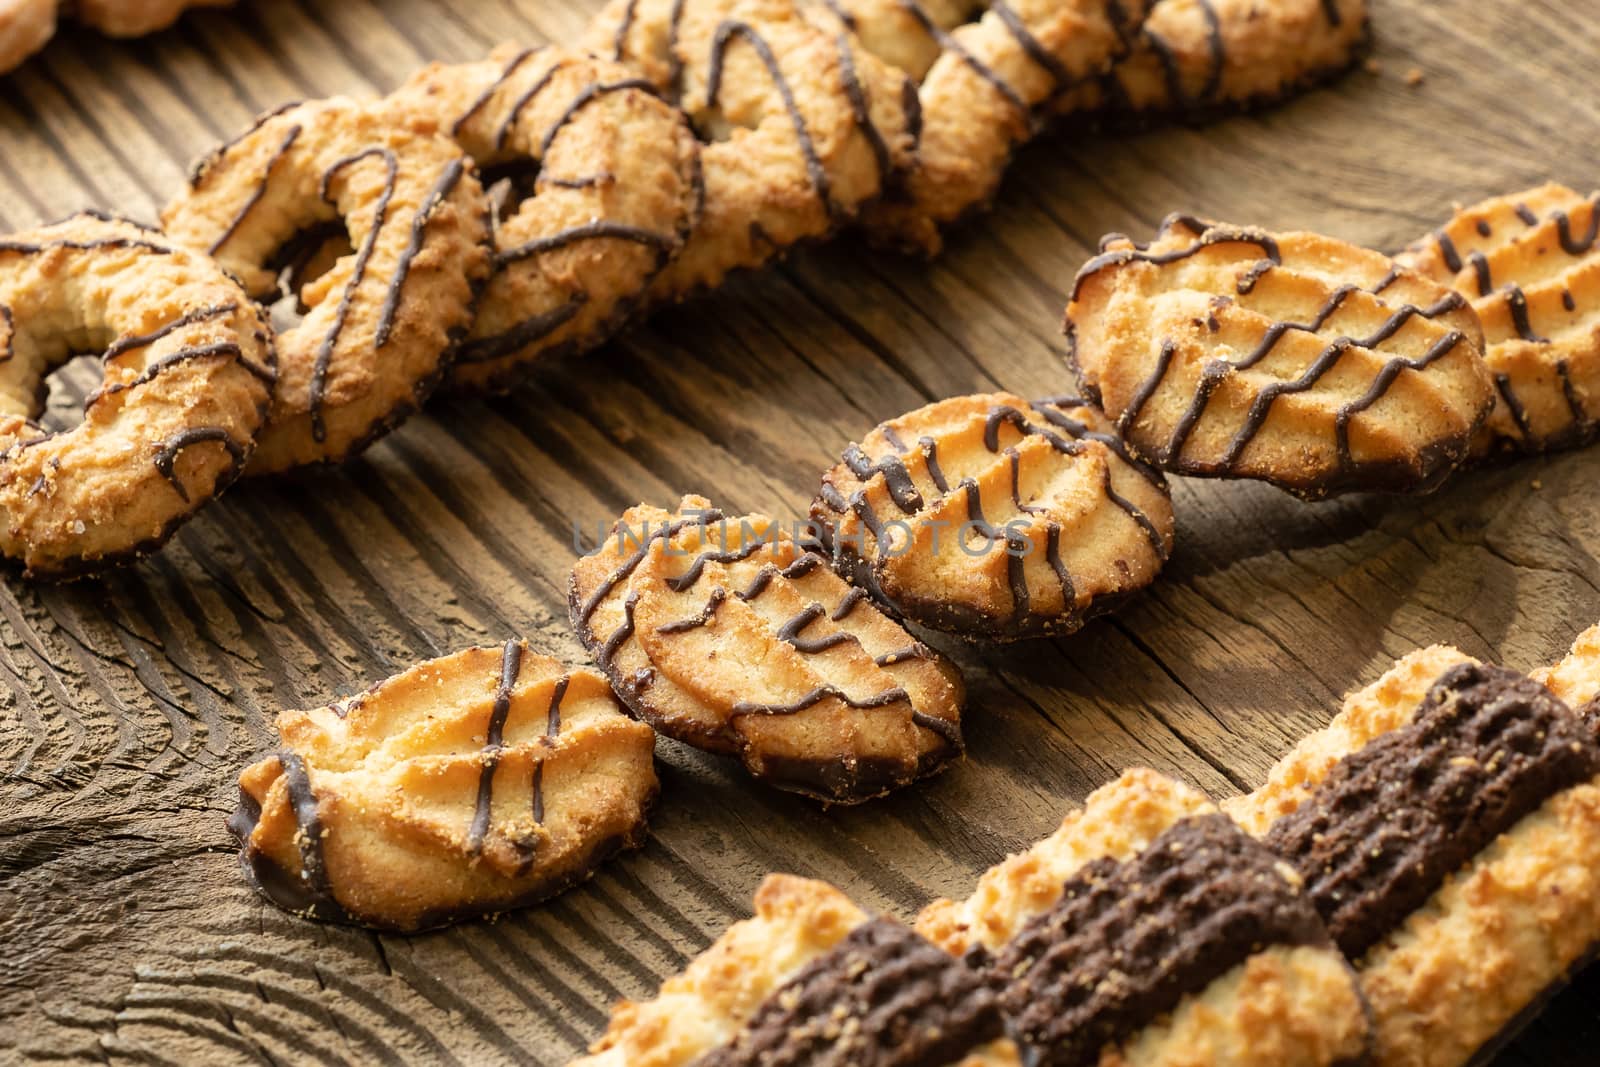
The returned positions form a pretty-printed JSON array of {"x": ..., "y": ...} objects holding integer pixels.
[
  {"x": 1447, "y": 826},
  {"x": 609, "y": 176},
  {"x": 811, "y": 979},
  {"x": 1150, "y": 929},
  {"x": 1530, "y": 264},
  {"x": 801, "y": 125},
  {"x": 996, "y": 519},
  {"x": 188, "y": 369},
  {"x": 985, "y": 96},
  {"x": 726, "y": 633},
  {"x": 381, "y": 325},
  {"x": 1193, "y": 58},
  {"x": 490, "y": 779},
  {"x": 1227, "y": 352}
]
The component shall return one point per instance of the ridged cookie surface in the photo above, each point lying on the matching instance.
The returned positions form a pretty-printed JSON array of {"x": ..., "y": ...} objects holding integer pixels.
[
  {"x": 1295, "y": 359},
  {"x": 486, "y": 780},
  {"x": 995, "y": 518},
  {"x": 1530, "y": 264},
  {"x": 726, "y": 633}
]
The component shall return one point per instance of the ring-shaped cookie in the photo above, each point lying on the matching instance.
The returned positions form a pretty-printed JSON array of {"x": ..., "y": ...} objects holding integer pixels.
[
  {"x": 614, "y": 173},
  {"x": 801, "y": 125},
  {"x": 381, "y": 324},
  {"x": 188, "y": 364}
]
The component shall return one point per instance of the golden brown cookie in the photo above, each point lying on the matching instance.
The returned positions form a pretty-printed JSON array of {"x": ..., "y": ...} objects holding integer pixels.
[
  {"x": 134, "y": 18},
  {"x": 1296, "y": 359},
  {"x": 611, "y": 175},
  {"x": 995, "y": 518},
  {"x": 1149, "y": 929},
  {"x": 1447, "y": 825},
  {"x": 983, "y": 96},
  {"x": 810, "y": 979},
  {"x": 1530, "y": 264},
  {"x": 381, "y": 324},
  {"x": 1193, "y": 57},
  {"x": 490, "y": 779},
  {"x": 1576, "y": 679},
  {"x": 188, "y": 362},
  {"x": 801, "y": 126},
  {"x": 726, "y": 633},
  {"x": 25, "y": 27}
]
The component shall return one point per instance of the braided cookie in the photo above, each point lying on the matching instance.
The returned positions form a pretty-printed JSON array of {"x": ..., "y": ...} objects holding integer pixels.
[
  {"x": 1198, "y": 56},
  {"x": 1296, "y": 359},
  {"x": 188, "y": 363},
  {"x": 1530, "y": 264},
  {"x": 134, "y": 18},
  {"x": 614, "y": 177},
  {"x": 982, "y": 96},
  {"x": 726, "y": 634},
  {"x": 810, "y": 979},
  {"x": 380, "y": 325},
  {"x": 1447, "y": 825},
  {"x": 490, "y": 779},
  {"x": 994, "y": 518},
  {"x": 1150, "y": 930},
  {"x": 801, "y": 126}
]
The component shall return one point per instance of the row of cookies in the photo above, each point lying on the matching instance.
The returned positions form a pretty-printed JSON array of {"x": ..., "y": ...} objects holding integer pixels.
[
  {"x": 1405, "y": 890},
  {"x": 602, "y": 198}
]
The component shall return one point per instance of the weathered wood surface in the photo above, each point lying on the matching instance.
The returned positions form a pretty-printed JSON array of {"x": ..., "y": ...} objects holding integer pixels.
[{"x": 126, "y": 933}]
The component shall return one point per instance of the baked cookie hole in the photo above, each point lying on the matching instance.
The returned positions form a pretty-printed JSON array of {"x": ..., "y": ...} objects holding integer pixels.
[{"x": 302, "y": 260}]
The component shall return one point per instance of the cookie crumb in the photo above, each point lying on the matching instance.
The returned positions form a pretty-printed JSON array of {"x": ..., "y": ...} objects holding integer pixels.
[
  {"x": 1537, "y": 485},
  {"x": 1374, "y": 66},
  {"x": 1415, "y": 77}
]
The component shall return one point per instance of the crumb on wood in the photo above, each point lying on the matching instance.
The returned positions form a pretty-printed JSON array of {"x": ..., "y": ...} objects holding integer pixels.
[
  {"x": 1415, "y": 77},
  {"x": 1374, "y": 65}
]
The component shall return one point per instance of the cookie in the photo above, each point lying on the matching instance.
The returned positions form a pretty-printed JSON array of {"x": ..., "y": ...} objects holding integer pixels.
[
  {"x": 25, "y": 27},
  {"x": 1150, "y": 929},
  {"x": 726, "y": 633},
  {"x": 134, "y": 18},
  {"x": 1530, "y": 264},
  {"x": 490, "y": 779},
  {"x": 188, "y": 368},
  {"x": 1447, "y": 825},
  {"x": 801, "y": 126},
  {"x": 1576, "y": 679},
  {"x": 811, "y": 979},
  {"x": 982, "y": 98},
  {"x": 611, "y": 175},
  {"x": 1295, "y": 359},
  {"x": 995, "y": 518},
  {"x": 1193, "y": 58},
  {"x": 380, "y": 325}
]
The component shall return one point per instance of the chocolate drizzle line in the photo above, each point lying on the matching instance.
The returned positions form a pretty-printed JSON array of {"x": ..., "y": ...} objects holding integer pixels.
[
  {"x": 949, "y": 43},
  {"x": 152, "y": 369},
  {"x": 881, "y": 997},
  {"x": 1391, "y": 821},
  {"x": 319, "y": 370},
  {"x": 707, "y": 613},
  {"x": 488, "y": 93},
  {"x": 167, "y": 451},
  {"x": 448, "y": 180},
  {"x": 1173, "y": 71},
  {"x": 540, "y": 326},
  {"x": 1208, "y": 236},
  {"x": 257, "y": 193},
  {"x": 721, "y": 39},
  {"x": 552, "y": 729},
  {"x": 510, "y": 668},
  {"x": 507, "y": 124},
  {"x": 586, "y": 232},
  {"x": 1127, "y": 941}
]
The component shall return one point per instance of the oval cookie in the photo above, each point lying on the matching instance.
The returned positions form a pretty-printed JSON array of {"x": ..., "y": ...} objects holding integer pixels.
[
  {"x": 995, "y": 518},
  {"x": 726, "y": 633},
  {"x": 1296, "y": 359},
  {"x": 490, "y": 779}
]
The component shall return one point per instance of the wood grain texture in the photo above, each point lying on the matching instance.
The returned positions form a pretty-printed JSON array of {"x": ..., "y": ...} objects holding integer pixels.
[{"x": 126, "y": 933}]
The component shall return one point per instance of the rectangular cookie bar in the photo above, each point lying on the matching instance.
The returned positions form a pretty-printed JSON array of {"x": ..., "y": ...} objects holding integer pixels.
[
  {"x": 1447, "y": 825},
  {"x": 1149, "y": 930}
]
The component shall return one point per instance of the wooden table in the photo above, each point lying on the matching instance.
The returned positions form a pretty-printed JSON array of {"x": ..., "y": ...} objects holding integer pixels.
[{"x": 126, "y": 931}]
